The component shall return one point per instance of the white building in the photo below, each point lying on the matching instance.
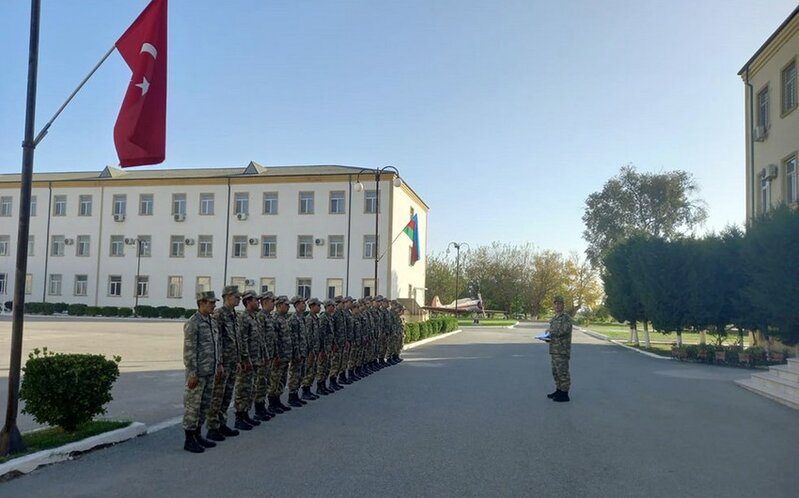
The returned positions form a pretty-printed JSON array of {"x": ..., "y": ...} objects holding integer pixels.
[{"x": 288, "y": 229}]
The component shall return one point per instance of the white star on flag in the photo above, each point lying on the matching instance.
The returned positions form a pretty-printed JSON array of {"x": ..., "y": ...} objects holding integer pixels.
[{"x": 144, "y": 85}]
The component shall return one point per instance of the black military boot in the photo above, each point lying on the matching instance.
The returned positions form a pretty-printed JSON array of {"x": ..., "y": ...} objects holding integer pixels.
[
  {"x": 284, "y": 407},
  {"x": 191, "y": 443},
  {"x": 553, "y": 393},
  {"x": 203, "y": 442},
  {"x": 306, "y": 394},
  {"x": 294, "y": 400},
  {"x": 354, "y": 377},
  {"x": 399, "y": 359},
  {"x": 320, "y": 388},
  {"x": 227, "y": 431},
  {"x": 342, "y": 378},
  {"x": 261, "y": 413},
  {"x": 274, "y": 406},
  {"x": 561, "y": 396},
  {"x": 241, "y": 424},
  {"x": 335, "y": 385},
  {"x": 249, "y": 420},
  {"x": 214, "y": 435},
  {"x": 313, "y": 396}
]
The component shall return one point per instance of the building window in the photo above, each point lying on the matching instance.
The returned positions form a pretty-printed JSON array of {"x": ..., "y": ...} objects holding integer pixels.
[
  {"x": 240, "y": 246},
  {"x": 174, "y": 287},
  {"x": 305, "y": 246},
  {"x": 28, "y": 283},
  {"x": 142, "y": 286},
  {"x": 335, "y": 246},
  {"x": 206, "y": 204},
  {"x": 59, "y": 205},
  {"x": 33, "y": 205},
  {"x": 179, "y": 204},
  {"x": 81, "y": 285},
  {"x": 144, "y": 246},
  {"x": 176, "y": 246},
  {"x": 57, "y": 245},
  {"x": 84, "y": 205},
  {"x": 370, "y": 202},
  {"x": 3, "y": 283},
  {"x": 239, "y": 282},
  {"x": 337, "y": 202},
  {"x": 267, "y": 284},
  {"x": 205, "y": 246},
  {"x": 762, "y": 108},
  {"x": 145, "y": 204},
  {"x": 120, "y": 205},
  {"x": 202, "y": 284},
  {"x": 790, "y": 179},
  {"x": 270, "y": 202},
  {"x": 5, "y": 242},
  {"x": 335, "y": 287},
  {"x": 306, "y": 202},
  {"x": 54, "y": 289},
  {"x": 115, "y": 285},
  {"x": 304, "y": 288},
  {"x": 117, "y": 247},
  {"x": 368, "y": 286},
  {"x": 83, "y": 246},
  {"x": 369, "y": 247},
  {"x": 241, "y": 202},
  {"x": 765, "y": 194},
  {"x": 268, "y": 246},
  {"x": 5, "y": 205},
  {"x": 30, "y": 245},
  {"x": 789, "y": 88}
]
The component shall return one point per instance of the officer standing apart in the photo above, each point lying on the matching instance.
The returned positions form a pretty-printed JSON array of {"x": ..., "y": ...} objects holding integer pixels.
[
  {"x": 560, "y": 345},
  {"x": 202, "y": 361}
]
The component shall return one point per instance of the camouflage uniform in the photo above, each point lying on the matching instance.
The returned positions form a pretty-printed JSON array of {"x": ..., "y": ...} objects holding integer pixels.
[
  {"x": 229, "y": 346},
  {"x": 326, "y": 341},
  {"x": 352, "y": 350},
  {"x": 560, "y": 328},
  {"x": 200, "y": 357},
  {"x": 312, "y": 328},
  {"x": 296, "y": 326},
  {"x": 250, "y": 354},
  {"x": 285, "y": 351},
  {"x": 339, "y": 342},
  {"x": 268, "y": 353}
]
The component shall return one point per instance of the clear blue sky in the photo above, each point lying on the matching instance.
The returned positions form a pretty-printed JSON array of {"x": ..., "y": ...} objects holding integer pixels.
[{"x": 503, "y": 115}]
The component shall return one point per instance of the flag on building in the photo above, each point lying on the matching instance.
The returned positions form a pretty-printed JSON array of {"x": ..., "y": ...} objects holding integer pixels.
[
  {"x": 140, "y": 130},
  {"x": 412, "y": 231}
]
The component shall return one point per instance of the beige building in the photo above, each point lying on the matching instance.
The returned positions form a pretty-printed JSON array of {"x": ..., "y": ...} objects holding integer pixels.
[{"x": 772, "y": 120}]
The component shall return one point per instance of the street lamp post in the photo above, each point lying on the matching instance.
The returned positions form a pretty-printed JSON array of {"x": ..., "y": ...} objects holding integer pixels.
[
  {"x": 457, "y": 246},
  {"x": 138, "y": 243},
  {"x": 359, "y": 188}
]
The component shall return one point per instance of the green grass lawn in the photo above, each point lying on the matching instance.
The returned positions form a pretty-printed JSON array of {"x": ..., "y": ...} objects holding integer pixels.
[
  {"x": 485, "y": 322},
  {"x": 658, "y": 349},
  {"x": 55, "y": 437},
  {"x": 621, "y": 331}
]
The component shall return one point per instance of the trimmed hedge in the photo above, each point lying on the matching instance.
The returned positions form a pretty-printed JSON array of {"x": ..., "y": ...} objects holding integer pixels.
[{"x": 416, "y": 331}]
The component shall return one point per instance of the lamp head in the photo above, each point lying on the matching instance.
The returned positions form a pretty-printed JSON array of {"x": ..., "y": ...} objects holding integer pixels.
[
  {"x": 398, "y": 182},
  {"x": 359, "y": 187}
]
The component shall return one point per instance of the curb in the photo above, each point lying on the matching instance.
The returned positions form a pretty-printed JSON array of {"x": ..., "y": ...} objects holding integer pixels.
[
  {"x": 618, "y": 343},
  {"x": 429, "y": 339},
  {"x": 29, "y": 463}
]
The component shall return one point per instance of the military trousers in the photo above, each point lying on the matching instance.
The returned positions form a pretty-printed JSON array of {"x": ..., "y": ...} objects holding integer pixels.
[
  {"x": 352, "y": 358},
  {"x": 277, "y": 378},
  {"x": 295, "y": 374},
  {"x": 221, "y": 397},
  {"x": 261, "y": 382},
  {"x": 560, "y": 371},
  {"x": 244, "y": 390},
  {"x": 196, "y": 402},
  {"x": 322, "y": 366},
  {"x": 310, "y": 371}
]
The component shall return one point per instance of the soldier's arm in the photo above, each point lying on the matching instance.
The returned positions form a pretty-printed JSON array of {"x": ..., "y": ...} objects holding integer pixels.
[
  {"x": 190, "y": 347},
  {"x": 244, "y": 339}
]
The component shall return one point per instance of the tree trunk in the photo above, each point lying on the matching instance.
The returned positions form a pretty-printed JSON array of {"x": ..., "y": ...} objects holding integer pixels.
[
  {"x": 702, "y": 336},
  {"x": 634, "y": 333},
  {"x": 679, "y": 338},
  {"x": 647, "y": 344}
]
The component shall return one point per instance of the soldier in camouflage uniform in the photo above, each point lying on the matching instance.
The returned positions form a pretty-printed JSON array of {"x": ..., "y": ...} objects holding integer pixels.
[
  {"x": 345, "y": 372},
  {"x": 300, "y": 350},
  {"x": 371, "y": 336},
  {"x": 354, "y": 329},
  {"x": 268, "y": 353},
  {"x": 285, "y": 350},
  {"x": 326, "y": 348},
  {"x": 358, "y": 346},
  {"x": 339, "y": 343},
  {"x": 228, "y": 323},
  {"x": 250, "y": 354},
  {"x": 380, "y": 325},
  {"x": 314, "y": 348},
  {"x": 201, "y": 359},
  {"x": 560, "y": 345}
]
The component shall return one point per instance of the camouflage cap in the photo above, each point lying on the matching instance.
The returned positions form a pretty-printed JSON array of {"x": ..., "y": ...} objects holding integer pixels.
[
  {"x": 267, "y": 295},
  {"x": 558, "y": 299},
  {"x": 313, "y": 301},
  {"x": 297, "y": 299},
  {"x": 206, "y": 296},
  {"x": 248, "y": 294},
  {"x": 282, "y": 300},
  {"x": 330, "y": 302},
  {"x": 349, "y": 299},
  {"x": 230, "y": 289},
  {"x": 338, "y": 299},
  {"x": 366, "y": 300},
  {"x": 380, "y": 297}
]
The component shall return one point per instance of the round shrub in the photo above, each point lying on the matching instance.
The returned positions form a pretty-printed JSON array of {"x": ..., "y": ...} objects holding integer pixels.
[
  {"x": 189, "y": 313},
  {"x": 77, "y": 309},
  {"x": 92, "y": 310},
  {"x": 146, "y": 311},
  {"x": 125, "y": 312},
  {"x": 67, "y": 390},
  {"x": 60, "y": 307},
  {"x": 109, "y": 311}
]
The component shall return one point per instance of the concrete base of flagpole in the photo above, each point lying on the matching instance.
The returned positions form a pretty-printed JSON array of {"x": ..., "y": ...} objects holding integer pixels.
[{"x": 11, "y": 441}]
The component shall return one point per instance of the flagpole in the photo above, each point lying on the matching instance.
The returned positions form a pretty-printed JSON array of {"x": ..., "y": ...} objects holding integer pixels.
[
  {"x": 10, "y": 437},
  {"x": 390, "y": 245},
  {"x": 46, "y": 127}
]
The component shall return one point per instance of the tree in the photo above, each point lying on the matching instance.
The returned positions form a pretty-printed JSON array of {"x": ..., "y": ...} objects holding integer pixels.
[
  {"x": 440, "y": 278},
  {"x": 582, "y": 282},
  {"x": 621, "y": 299},
  {"x": 661, "y": 205},
  {"x": 498, "y": 271},
  {"x": 546, "y": 278}
]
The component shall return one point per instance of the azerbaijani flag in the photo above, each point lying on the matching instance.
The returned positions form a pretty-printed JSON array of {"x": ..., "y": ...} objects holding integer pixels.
[{"x": 412, "y": 230}]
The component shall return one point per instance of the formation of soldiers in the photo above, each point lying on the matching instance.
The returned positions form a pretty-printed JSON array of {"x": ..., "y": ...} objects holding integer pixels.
[{"x": 251, "y": 356}]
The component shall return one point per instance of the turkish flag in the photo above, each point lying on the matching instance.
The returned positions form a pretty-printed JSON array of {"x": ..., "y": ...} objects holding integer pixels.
[{"x": 140, "y": 130}]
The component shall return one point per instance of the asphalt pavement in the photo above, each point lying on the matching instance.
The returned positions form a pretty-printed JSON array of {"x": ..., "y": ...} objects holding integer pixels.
[{"x": 468, "y": 416}]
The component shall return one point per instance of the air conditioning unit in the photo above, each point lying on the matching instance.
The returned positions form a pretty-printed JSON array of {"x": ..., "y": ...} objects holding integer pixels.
[
  {"x": 241, "y": 216},
  {"x": 119, "y": 217},
  {"x": 319, "y": 242},
  {"x": 180, "y": 216},
  {"x": 772, "y": 171},
  {"x": 189, "y": 242},
  {"x": 253, "y": 241},
  {"x": 69, "y": 242},
  {"x": 249, "y": 282},
  {"x": 130, "y": 242},
  {"x": 759, "y": 133}
]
